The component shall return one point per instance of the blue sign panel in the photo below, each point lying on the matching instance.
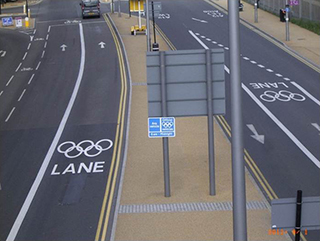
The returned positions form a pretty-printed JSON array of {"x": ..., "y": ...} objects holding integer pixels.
[
  {"x": 161, "y": 127},
  {"x": 7, "y": 21}
]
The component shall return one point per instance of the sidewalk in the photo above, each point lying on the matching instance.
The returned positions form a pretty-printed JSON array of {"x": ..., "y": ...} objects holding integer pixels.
[{"x": 190, "y": 213}]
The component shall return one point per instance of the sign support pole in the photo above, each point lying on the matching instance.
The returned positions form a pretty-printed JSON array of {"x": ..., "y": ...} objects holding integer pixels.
[
  {"x": 256, "y": 11},
  {"x": 165, "y": 140},
  {"x": 139, "y": 7},
  {"x": 238, "y": 173},
  {"x": 287, "y": 21},
  {"x": 148, "y": 26},
  {"x": 210, "y": 125},
  {"x": 298, "y": 216}
]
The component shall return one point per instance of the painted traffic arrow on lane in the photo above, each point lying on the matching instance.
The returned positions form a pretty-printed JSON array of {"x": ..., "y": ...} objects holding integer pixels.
[
  {"x": 199, "y": 20},
  {"x": 102, "y": 44},
  {"x": 255, "y": 135},
  {"x": 63, "y": 46}
]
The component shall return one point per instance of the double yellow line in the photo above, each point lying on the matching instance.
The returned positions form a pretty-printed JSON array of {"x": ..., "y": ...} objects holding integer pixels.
[{"x": 115, "y": 162}]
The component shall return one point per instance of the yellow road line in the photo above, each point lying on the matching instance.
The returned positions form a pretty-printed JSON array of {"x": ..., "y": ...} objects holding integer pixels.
[{"x": 106, "y": 206}]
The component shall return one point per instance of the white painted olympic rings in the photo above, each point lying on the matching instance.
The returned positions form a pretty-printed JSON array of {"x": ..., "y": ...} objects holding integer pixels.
[
  {"x": 69, "y": 146},
  {"x": 283, "y": 95}
]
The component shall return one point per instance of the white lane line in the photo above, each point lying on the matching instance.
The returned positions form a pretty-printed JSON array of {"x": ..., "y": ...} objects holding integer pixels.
[
  {"x": 43, "y": 52},
  {"x": 1, "y": 92},
  {"x": 269, "y": 70},
  {"x": 47, "y": 37},
  {"x": 25, "y": 55},
  {"x": 34, "y": 32},
  {"x": 214, "y": 42},
  {"x": 260, "y": 66},
  {"x": 26, "y": 205},
  {"x": 49, "y": 28},
  {"x": 203, "y": 36},
  {"x": 253, "y": 62},
  {"x": 22, "y": 94},
  {"x": 220, "y": 45},
  {"x": 18, "y": 67},
  {"x": 197, "y": 34},
  {"x": 38, "y": 65},
  {"x": 306, "y": 93},
  {"x": 226, "y": 48},
  {"x": 9, "y": 80},
  {"x": 30, "y": 79},
  {"x": 29, "y": 46},
  {"x": 282, "y": 127},
  {"x": 245, "y": 58},
  {"x": 279, "y": 75},
  {"x": 287, "y": 79},
  {"x": 45, "y": 44},
  {"x": 208, "y": 39},
  {"x": 10, "y": 114},
  {"x": 272, "y": 116}
]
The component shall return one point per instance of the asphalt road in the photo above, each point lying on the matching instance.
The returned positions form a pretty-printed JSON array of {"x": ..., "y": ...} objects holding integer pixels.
[
  {"x": 280, "y": 99},
  {"x": 62, "y": 117}
]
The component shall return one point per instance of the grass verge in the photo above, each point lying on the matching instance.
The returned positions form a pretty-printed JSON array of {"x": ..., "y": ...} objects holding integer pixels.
[{"x": 307, "y": 24}]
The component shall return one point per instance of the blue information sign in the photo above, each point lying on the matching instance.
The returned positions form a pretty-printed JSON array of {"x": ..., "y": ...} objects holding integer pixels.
[
  {"x": 7, "y": 21},
  {"x": 161, "y": 127}
]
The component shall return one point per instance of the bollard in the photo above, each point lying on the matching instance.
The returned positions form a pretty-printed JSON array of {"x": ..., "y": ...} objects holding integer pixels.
[
  {"x": 29, "y": 13},
  {"x": 24, "y": 9},
  {"x": 26, "y": 22}
]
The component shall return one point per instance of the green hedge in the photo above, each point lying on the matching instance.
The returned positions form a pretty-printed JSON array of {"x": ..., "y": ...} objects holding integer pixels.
[{"x": 307, "y": 24}]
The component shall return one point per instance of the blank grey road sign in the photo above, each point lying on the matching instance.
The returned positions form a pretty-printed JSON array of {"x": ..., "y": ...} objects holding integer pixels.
[
  {"x": 283, "y": 213},
  {"x": 186, "y": 84},
  {"x": 156, "y": 8}
]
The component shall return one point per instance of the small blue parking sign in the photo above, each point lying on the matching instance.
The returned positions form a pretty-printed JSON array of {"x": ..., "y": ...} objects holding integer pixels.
[{"x": 161, "y": 127}]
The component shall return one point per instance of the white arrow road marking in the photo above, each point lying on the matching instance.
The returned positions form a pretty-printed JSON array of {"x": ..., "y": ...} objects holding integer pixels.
[
  {"x": 199, "y": 20},
  {"x": 102, "y": 44},
  {"x": 63, "y": 46},
  {"x": 31, "y": 38},
  {"x": 316, "y": 125},
  {"x": 255, "y": 135}
]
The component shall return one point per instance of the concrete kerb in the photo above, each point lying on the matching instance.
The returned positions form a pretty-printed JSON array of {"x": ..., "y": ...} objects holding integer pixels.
[{"x": 142, "y": 181}]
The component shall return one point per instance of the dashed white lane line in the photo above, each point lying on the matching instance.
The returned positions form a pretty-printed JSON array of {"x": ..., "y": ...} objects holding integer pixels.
[
  {"x": 253, "y": 62},
  {"x": 49, "y": 28},
  {"x": 47, "y": 37},
  {"x": 245, "y": 58},
  {"x": 29, "y": 46},
  {"x": 287, "y": 79},
  {"x": 220, "y": 45},
  {"x": 10, "y": 114},
  {"x": 34, "y": 32},
  {"x": 25, "y": 55},
  {"x": 270, "y": 70},
  {"x": 9, "y": 80},
  {"x": 18, "y": 67},
  {"x": 208, "y": 39},
  {"x": 203, "y": 36},
  {"x": 226, "y": 48},
  {"x": 306, "y": 93},
  {"x": 38, "y": 65},
  {"x": 214, "y": 42},
  {"x": 279, "y": 75},
  {"x": 22, "y": 94},
  {"x": 1, "y": 92},
  {"x": 45, "y": 44},
  {"x": 30, "y": 79},
  {"x": 43, "y": 52},
  {"x": 260, "y": 66}
]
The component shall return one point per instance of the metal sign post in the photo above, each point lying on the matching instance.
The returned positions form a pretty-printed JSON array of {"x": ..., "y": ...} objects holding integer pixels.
[
  {"x": 148, "y": 27},
  {"x": 298, "y": 215},
  {"x": 238, "y": 174},
  {"x": 256, "y": 11},
  {"x": 287, "y": 20}
]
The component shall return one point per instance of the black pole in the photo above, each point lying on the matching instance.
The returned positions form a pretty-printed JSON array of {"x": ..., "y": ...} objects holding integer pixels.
[
  {"x": 129, "y": 8},
  {"x": 154, "y": 25},
  {"x": 298, "y": 216},
  {"x": 27, "y": 7}
]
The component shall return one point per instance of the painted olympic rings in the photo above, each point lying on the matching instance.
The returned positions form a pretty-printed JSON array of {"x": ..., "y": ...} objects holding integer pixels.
[
  {"x": 283, "y": 95},
  {"x": 83, "y": 147}
]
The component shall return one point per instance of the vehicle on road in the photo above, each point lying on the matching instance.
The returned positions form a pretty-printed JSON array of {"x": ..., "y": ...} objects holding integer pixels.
[{"x": 90, "y": 8}]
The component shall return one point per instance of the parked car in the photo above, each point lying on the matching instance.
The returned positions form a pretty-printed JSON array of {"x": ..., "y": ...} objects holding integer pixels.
[
  {"x": 90, "y": 8},
  {"x": 240, "y": 6}
]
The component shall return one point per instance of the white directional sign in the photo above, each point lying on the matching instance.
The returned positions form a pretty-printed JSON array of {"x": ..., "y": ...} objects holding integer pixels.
[
  {"x": 161, "y": 127},
  {"x": 63, "y": 47},
  {"x": 102, "y": 44}
]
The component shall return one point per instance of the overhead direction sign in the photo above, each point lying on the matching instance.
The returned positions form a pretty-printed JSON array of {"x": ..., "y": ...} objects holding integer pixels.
[{"x": 161, "y": 127}]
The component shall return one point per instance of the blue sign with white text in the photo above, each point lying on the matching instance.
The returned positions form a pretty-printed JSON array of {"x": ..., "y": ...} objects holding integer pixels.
[
  {"x": 161, "y": 127},
  {"x": 7, "y": 21}
]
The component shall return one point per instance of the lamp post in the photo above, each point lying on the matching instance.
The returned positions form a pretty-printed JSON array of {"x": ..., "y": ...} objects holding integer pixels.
[{"x": 27, "y": 7}]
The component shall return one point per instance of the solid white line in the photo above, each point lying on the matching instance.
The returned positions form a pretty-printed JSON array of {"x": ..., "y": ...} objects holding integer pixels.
[
  {"x": 199, "y": 41},
  {"x": 16, "y": 226},
  {"x": 38, "y": 65},
  {"x": 18, "y": 67},
  {"x": 272, "y": 116},
  {"x": 22, "y": 94},
  {"x": 10, "y": 114},
  {"x": 45, "y": 44},
  {"x": 1, "y": 92},
  {"x": 282, "y": 127},
  {"x": 25, "y": 55},
  {"x": 43, "y": 52},
  {"x": 9, "y": 80},
  {"x": 30, "y": 79},
  {"x": 29, "y": 46},
  {"x": 306, "y": 93}
]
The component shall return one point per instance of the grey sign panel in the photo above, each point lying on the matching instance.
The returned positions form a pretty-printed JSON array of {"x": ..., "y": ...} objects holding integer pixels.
[
  {"x": 186, "y": 84},
  {"x": 157, "y": 7},
  {"x": 283, "y": 213}
]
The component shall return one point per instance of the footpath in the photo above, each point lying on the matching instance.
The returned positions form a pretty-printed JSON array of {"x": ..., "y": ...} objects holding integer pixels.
[{"x": 190, "y": 213}]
